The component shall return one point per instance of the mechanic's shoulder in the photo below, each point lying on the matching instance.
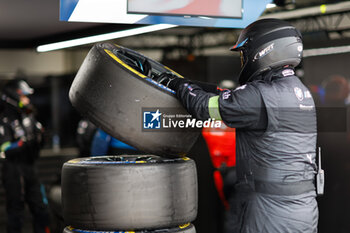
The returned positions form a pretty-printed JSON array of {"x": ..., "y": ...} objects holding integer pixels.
[{"x": 249, "y": 88}]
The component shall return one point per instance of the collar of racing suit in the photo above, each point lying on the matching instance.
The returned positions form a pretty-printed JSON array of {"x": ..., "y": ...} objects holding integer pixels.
[{"x": 274, "y": 73}]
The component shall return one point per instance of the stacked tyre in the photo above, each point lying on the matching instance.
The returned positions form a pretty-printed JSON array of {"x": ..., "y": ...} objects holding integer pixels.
[
  {"x": 188, "y": 228},
  {"x": 115, "y": 85},
  {"x": 129, "y": 193}
]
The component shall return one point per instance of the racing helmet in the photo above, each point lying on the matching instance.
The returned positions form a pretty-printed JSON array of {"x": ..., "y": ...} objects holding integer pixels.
[
  {"x": 266, "y": 44},
  {"x": 14, "y": 89}
]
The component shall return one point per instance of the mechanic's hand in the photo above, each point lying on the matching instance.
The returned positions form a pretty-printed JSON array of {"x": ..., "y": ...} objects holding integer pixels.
[
  {"x": 170, "y": 80},
  {"x": 166, "y": 78},
  {"x": 175, "y": 83}
]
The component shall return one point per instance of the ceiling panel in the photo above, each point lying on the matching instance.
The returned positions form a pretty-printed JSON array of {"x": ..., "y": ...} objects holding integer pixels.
[{"x": 28, "y": 23}]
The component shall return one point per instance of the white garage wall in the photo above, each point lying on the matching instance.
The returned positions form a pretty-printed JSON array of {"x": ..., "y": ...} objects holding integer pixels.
[
  {"x": 38, "y": 65},
  {"x": 35, "y": 64}
]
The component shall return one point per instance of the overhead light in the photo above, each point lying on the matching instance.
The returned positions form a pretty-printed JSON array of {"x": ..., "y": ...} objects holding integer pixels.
[
  {"x": 270, "y": 5},
  {"x": 102, "y": 37}
]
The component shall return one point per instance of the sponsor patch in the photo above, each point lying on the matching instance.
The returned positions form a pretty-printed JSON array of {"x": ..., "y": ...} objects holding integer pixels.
[
  {"x": 306, "y": 107},
  {"x": 226, "y": 95},
  {"x": 307, "y": 94},
  {"x": 189, "y": 87},
  {"x": 299, "y": 93},
  {"x": 287, "y": 72}
]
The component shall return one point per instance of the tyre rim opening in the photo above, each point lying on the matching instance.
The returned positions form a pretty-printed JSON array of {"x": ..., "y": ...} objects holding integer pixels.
[
  {"x": 127, "y": 159},
  {"x": 156, "y": 72}
]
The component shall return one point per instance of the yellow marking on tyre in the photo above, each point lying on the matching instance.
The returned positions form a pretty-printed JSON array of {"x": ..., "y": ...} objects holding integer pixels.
[
  {"x": 186, "y": 158},
  {"x": 173, "y": 72},
  {"x": 74, "y": 161},
  {"x": 124, "y": 64},
  {"x": 140, "y": 162},
  {"x": 184, "y": 225},
  {"x": 72, "y": 229}
]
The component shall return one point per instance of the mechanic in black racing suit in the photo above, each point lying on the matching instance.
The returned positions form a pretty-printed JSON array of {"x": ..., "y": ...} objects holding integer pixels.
[
  {"x": 20, "y": 140},
  {"x": 274, "y": 115}
]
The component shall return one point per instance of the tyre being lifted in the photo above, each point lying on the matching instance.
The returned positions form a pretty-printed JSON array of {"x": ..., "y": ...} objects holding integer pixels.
[
  {"x": 113, "y": 86},
  {"x": 186, "y": 228},
  {"x": 129, "y": 192}
]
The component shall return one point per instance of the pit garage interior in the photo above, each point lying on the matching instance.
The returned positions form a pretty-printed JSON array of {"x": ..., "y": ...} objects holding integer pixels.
[{"x": 199, "y": 53}]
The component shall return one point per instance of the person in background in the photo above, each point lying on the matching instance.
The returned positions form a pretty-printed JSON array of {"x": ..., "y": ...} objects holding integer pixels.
[
  {"x": 275, "y": 119},
  {"x": 221, "y": 143},
  {"x": 20, "y": 142},
  {"x": 336, "y": 91},
  {"x": 333, "y": 125}
]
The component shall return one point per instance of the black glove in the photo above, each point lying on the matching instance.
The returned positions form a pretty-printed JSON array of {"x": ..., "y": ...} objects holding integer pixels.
[
  {"x": 174, "y": 84},
  {"x": 170, "y": 80},
  {"x": 208, "y": 87}
]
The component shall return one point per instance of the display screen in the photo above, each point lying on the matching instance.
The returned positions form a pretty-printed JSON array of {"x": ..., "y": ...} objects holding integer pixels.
[
  {"x": 205, "y": 8},
  {"x": 217, "y": 13}
]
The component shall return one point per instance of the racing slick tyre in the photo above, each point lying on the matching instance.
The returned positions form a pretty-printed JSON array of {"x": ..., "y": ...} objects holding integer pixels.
[
  {"x": 129, "y": 192},
  {"x": 115, "y": 85},
  {"x": 186, "y": 228}
]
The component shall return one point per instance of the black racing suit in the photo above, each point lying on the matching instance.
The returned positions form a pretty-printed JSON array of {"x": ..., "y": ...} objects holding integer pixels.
[
  {"x": 20, "y": 137},
  {"x": 275, "y": 121}
]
